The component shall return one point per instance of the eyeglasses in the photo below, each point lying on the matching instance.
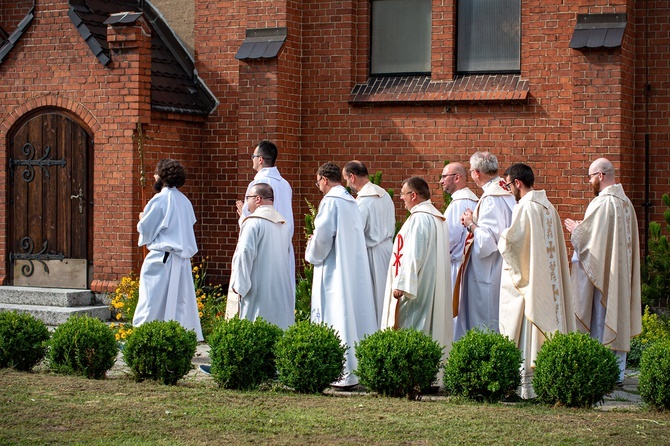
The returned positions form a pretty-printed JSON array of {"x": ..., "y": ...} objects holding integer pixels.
[
  {"x": 256, "y": 156},
  {"x": 246, "y": 197},
  {"x": 402, "y": 194},
  {"x": 594, "y": 173},
  {"x": 507, "y": 185},
  {"x": 318, "y": 181},
  {"x": 442, "y": 177}
]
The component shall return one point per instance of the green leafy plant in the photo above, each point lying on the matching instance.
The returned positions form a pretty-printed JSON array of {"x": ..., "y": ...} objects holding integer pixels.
[
  {"x": 242, "y": 352},
  {"x": 23, "y": 340},
  {"x": 398, "y": 363},
  {"x": 654, "y": 385},
  {"x": 210, "y": 298},
  {"x": 574, "y": 370},
  {"x": 654, "y": 329},
  {"x": 303, "y": 289},
  {"x": 483, "y": 366},
  {"x": 655, "y": 272},
  {"x": 83, "y": 346},
  {"x": 160, "y": 351},
  {"x": 309, "y": 357}
]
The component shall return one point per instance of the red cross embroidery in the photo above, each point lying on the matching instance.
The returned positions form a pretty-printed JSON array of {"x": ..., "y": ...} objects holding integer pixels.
[{"x": 397, "y": 254}]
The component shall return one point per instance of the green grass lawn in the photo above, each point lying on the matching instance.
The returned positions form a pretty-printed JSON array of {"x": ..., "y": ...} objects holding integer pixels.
[{"x": 43, "y": 408}]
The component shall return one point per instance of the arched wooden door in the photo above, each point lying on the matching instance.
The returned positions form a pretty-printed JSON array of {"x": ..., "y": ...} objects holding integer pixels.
[{"x": 49, "y": 199}]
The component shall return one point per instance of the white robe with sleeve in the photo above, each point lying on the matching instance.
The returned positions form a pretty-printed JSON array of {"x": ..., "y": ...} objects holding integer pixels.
[
  {"x": 535, "y": 295},
  {"x": 419, "y": 268},
  {"x": 479, "y": 287},
  {"x": 461, "y": 200},
  {"x": 341, "y": 287},
  {"x": 260, "y": 269},
  {"x": 283, "y": 196},
  {"x": 606, "y": 272},
  {"x": 166, "y": 289},
  {"x": 378, "y": 214}
]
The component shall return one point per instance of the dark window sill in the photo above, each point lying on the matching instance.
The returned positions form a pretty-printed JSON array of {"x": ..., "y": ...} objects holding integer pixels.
[{"x": 421, "y": 89}]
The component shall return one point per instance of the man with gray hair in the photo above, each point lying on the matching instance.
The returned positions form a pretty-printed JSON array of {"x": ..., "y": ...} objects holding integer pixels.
[
  {"x": 477, "y": 290},
  {"x": 378, "y": 214},
  {"x": 606, "y": 264}
]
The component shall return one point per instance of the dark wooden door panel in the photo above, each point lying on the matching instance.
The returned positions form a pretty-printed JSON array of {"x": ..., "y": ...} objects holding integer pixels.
[{"x": 49, "y": 194}]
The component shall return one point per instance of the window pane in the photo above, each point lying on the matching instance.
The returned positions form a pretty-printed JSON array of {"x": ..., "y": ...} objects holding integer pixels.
[
  {"x": 401, "y": 36},
  {"x": 488, "y": 37}
]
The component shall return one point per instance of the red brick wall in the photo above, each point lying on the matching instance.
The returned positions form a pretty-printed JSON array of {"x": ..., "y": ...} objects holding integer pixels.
[
  {"x": 12, "y": 12},
  {"x": 582, "y": 104},
  {"x": 652, "y": 104},
  {"x": 52, "y": 66}
]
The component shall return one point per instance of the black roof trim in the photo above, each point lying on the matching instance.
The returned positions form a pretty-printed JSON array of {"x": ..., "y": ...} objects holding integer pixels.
[
  {"x": 9, "y": 42},
  {"x": 175, "y": 84},
  {"x": 598, "y": 31},
  {"x": 262, "y": 43}
]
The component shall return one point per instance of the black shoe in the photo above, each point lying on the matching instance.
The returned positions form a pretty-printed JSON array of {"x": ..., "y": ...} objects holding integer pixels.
[{"x": 206, "y": 369}]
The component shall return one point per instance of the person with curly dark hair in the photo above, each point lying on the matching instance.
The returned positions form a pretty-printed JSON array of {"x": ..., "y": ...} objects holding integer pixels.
[{"x": 166, "y": 228}]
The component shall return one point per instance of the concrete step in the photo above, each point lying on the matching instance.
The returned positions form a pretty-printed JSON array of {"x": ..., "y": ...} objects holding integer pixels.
[
  {"x": 56, "y": 297},
  {"x": 55, "y": 316}
]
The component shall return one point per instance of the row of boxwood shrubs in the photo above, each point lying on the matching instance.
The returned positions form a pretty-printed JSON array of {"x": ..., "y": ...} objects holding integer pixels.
[{"x": 571, "y": 369}]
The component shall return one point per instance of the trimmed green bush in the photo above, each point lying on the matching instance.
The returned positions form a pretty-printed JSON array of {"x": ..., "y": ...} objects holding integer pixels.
[
  {"x": 483, "y": 366},
  {"x": 398, "y": 363},
  {"x": 23, "y": 340},
  {"x": 160, "y": 351},
  {"x": 242, "y": 352},
  {"x": 83, "y": 346},
  {"x": 654, "y": 329},
  {"x": 654, "y": 383},
  {"x": 309, "y": 357},
  {"x": 574, "y": 370}
]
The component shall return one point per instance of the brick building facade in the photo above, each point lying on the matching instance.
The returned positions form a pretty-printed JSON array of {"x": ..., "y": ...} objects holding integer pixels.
[{"x": 316, "y": 99}]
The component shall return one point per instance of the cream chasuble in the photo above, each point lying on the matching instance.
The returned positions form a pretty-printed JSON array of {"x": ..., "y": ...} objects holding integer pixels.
[
  {"x": 607, "y": 248},
  {"x": 420, "y": 268},
  {"x": 535, "y": 296}
]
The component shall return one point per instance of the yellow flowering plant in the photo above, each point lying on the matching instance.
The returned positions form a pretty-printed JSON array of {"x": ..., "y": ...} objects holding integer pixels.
[
  {"x": 121, "y": 330},
  {"x": 210, "y": 299},
  {"x": 125, "y": 297}
]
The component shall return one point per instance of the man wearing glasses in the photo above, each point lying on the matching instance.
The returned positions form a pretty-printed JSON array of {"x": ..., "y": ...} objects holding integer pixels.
[
  {"x": 261, "y": 276},
  {"x": 535, "y": 297},
  {"x": 341, "y": 285},
  {"x": 454, "y": 181},
  {"x": 263, "y": 162},
  {"x": 477, "y": 290},
  {"x": 418, "y": 285},
  {"x": 606, "y": 264}
]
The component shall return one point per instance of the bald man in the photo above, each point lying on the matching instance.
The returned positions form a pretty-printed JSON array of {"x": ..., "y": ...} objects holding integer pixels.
[
  {"x": 454, "y": 181},
  {"x": 606, "y": 264}
]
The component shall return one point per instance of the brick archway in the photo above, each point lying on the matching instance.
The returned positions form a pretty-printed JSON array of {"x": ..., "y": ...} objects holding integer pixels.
[{"x": 7, "y": 124}]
